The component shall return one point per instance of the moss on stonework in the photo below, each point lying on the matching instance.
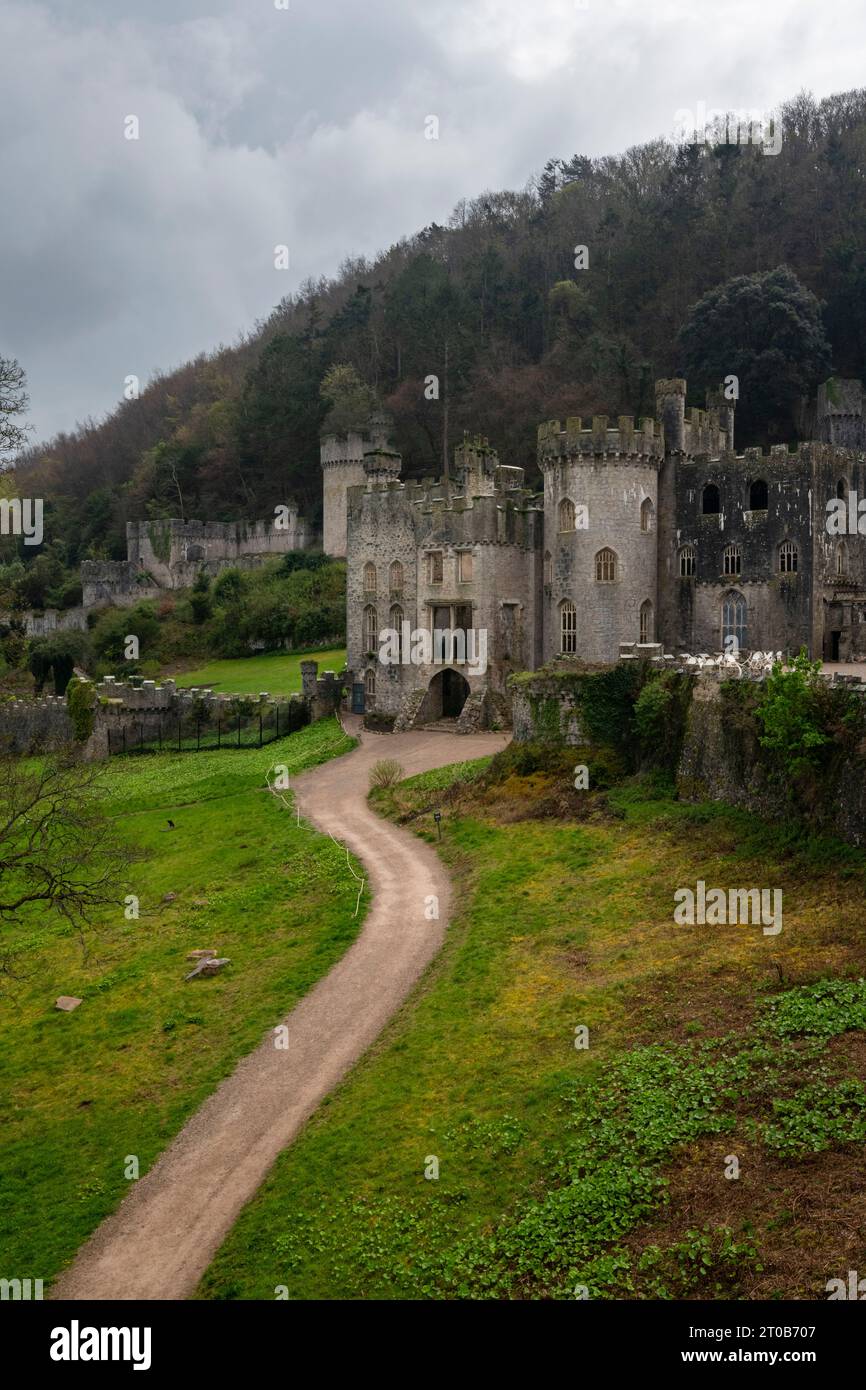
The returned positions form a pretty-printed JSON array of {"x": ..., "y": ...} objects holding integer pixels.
[{"x": 159, "y": 535}]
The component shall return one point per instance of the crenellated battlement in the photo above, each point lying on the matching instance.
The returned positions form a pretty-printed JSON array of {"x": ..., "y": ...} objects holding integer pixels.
[
  {"x": 558, "y": 439},
  {"x": 808, "y": 453}
]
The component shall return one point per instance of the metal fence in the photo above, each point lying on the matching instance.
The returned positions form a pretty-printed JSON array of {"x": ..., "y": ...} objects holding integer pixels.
[{"x": 155, "y": 732}]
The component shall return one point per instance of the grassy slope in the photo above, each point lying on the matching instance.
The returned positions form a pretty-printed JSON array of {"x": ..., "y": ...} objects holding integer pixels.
[
  {"x": 279, "y": 673},
  {"x": 561, "y": 924},
  {"x": 81, "y": 1091}
]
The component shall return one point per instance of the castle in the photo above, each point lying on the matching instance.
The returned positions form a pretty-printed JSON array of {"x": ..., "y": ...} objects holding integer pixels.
[{"x": 649, "y": 532}]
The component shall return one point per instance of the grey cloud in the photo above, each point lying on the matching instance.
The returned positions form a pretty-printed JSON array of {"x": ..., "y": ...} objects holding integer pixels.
[{"x": 260, "y": 127}]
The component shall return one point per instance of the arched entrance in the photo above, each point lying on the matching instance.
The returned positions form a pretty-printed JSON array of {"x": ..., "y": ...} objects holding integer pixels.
[{"x": 446, "y": 695}]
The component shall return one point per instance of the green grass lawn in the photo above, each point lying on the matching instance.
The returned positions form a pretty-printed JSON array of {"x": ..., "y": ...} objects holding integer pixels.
[
  {"x": 603, "y": 1167},
  {"x": 119, "y": 1076},
  {"x": 279, "y": 673}
]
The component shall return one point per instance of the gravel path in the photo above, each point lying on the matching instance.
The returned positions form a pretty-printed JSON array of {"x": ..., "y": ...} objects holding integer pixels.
[{"x": 161, "y": 1239}]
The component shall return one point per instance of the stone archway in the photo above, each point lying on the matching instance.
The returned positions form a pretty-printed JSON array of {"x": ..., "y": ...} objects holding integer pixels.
[{"x": 446, "y": 695}]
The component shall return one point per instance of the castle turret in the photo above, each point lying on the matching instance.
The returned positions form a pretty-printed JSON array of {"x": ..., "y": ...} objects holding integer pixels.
[
  {"x": 719, "y": 405},
  {"x": 382, "y": 465},
  {"x": 600, "y": 519},
  {"x": 351, "y": 460},
  {"x": 671, "y": 411}
]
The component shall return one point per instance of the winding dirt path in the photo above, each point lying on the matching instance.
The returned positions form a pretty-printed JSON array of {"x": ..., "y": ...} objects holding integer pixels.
[{"x": 161, "y": 1239}]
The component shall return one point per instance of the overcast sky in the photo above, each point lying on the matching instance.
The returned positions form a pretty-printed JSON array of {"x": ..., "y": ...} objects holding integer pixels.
[{"x": 261, "y": 126}]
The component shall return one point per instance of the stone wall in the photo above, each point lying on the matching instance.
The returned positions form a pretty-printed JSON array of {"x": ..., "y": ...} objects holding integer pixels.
[
  {"x": 171, "y": 554},
  {"x": 720, "y": 759},
  {"x": 41, "y": 622},
  {"x": 38, "y": 725},
  {"x": 717, "y": 764}
]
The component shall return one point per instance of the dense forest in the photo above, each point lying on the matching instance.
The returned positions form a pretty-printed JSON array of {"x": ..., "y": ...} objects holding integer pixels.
[{"x": 702, "y": 258}]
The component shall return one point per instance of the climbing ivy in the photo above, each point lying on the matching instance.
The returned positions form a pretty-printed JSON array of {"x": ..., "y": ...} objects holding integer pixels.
[{"x": 81, "y": 706}]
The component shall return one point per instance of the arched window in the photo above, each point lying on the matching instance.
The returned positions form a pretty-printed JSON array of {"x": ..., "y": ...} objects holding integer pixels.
[
  {"x": 548, "y": 567},
  {"x": 371, "y": 628},
  {"x": 733, "y": 623},
  {"x": 605, "y": 566},
  {"x": 396, "y": 622},
  {"x": 369, "y": 578},
  {"x": 369, "y": 686},
  {"x": 646, "y": 621},
  {"x": 567, "y": 628},
  {"x": 395, "y": 577},
  {"x": 687, "y": 562},
  {"x": 647, "y": 515},
  {"x": 788, "y": 557},
  {"x": 841, "y": 557},
  {"x": 731, "y": 561},
  {"x": 758, "y": 496},
  {"x": 842, "y": 488},
  {"x": 567, "y": 517},
  {"x": 711, "y": 502}
]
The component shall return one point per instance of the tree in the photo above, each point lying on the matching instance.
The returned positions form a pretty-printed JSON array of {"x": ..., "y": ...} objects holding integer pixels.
[
  {"x": 765, "y": 330},
  {"x": 13, "y": 402},
  {"x": 57, "y": 656},
  {"x": 349, "y": 401},
  {"x": 59, "y": 852}
]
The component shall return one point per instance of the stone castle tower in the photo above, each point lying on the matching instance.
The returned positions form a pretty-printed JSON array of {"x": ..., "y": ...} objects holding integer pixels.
[
  {"x": 600, "y": 533},
  {"x": 351, "y": 460}
]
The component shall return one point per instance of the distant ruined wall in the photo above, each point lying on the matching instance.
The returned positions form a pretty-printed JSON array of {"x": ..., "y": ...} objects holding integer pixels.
[
  {"x": 42, "y": 622},
  {"x": 165, "y": 555},
  {"x": 174, "y": 552}
]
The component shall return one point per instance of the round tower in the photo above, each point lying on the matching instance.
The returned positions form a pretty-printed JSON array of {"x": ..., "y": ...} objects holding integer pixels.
[
  {"x": 342, "y": 459},
  {"x": 600, "y": 535}
]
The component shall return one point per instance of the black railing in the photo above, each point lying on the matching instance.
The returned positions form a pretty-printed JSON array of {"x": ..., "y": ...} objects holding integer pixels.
[{"x": 154, "y": 732}]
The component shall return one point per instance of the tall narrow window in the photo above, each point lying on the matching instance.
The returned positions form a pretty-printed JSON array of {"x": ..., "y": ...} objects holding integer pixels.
[
  {"x": 731, "y": 560},
  {"x": 842, "y": 488},
  {"x": 567, "y": 629},
  {"x": 733, "y": 623},
  {"x": 605, "y": 566},
  {"x": 396, "y": 620},
  {"x": 395, "y": 577},
  {"x": 434, "y": 562},
  {"x": 464, "y": 566},
  {"x": 758, "y": 496},
  {"x": 548, "y": 567},
  {"x": 646, "y": 621},
  {"x": 369, "y": 686},
  {"x": 710, "y": 502},
  {"x": 788, "y": 557},
  {"x": 371, "y": 629},
  {"x": 841, "y": 558},
  {"x": 567, "y": 518},
  {"x": 369, "y": 578},
  {"x": 647, "y": 515},
  {"x": 687, "y": 562}
]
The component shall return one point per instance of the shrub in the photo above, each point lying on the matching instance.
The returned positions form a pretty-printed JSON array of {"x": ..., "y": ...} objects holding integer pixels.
[
  {"x": 228, "y": 587},
  {"x": 789, "y": 718},
  {"x": 386, "y": 773}
]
